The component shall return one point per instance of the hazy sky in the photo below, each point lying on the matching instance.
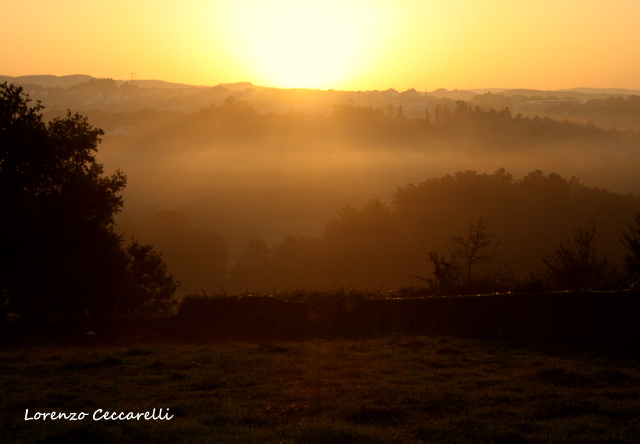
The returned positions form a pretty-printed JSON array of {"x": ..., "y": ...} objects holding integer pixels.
[{"x": 340, "y": 44}]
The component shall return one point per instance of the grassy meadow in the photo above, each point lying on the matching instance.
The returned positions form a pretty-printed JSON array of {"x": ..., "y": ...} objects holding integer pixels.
[{"x": 393, "y": 389}]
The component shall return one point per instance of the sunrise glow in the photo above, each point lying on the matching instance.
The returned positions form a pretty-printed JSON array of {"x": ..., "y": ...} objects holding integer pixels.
[
  {"x": 291, "y": 44},
  {"x": 354, "y": 45}
]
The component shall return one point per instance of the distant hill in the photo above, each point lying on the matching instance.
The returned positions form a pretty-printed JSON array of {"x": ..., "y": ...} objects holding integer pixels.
[
  {"x": 238, "y": 86},
  {"x": 488, "y": 90},
  {"x": 580, "y": 94},
  {"x": 456, "y": 94},
  {"x": 612, "y": 91},
  {"x": 157, "y": 84},
  {"x": 51, "y": 81},
  {"x": 47, "y": 81}
]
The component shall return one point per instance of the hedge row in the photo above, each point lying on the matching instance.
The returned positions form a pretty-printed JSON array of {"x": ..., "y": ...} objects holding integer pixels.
[{"x": 583, "y": 319}]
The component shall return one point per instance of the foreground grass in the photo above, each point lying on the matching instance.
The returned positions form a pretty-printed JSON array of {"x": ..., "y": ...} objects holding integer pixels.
[{"x": 400, "y": 390}]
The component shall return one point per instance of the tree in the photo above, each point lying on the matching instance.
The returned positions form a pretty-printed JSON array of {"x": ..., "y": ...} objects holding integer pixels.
[
  {"x": 478, "y": 247},
  {"x": 152, "y": 286},
  {"x": 60, "y": 257},
  {"x": 577, "y": 264},
  {"x": 447, "y": 274},
  {"x": 631, "y": 240},
  {"x": 470, "y": 267}
]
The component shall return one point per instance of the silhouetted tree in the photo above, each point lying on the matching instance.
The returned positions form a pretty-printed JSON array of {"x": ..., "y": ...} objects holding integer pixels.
[
  {"x": 447, "y": 274},
  {"x": 470, "y": 268},
  {"x": 478, "y": 247},
  {"x": 59, "y": 254},
  {"x": 577, "y": 264},
  {"x": 631, "y": 240},
  {"x": 151, "y": 284}
]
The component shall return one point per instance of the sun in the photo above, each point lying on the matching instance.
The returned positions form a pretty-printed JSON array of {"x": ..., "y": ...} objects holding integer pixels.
[
  {"x": 300, "y": 44},
  {"x": 303, "y": 46}
]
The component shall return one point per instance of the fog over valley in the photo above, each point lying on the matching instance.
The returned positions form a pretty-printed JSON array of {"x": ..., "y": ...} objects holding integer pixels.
[{"x": 245, "y": 188}]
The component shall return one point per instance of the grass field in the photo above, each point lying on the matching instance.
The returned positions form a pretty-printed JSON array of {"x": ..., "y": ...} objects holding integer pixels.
[{"x": 385, "y": 390}]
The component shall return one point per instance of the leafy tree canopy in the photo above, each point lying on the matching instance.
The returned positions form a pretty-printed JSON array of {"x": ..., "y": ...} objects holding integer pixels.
[{"x": 60, "y": 257}]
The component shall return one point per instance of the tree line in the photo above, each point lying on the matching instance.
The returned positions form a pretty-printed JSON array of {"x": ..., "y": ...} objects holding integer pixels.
[
  {"x": 460, "y": 234},
  {"x": 238, "y": 121}
]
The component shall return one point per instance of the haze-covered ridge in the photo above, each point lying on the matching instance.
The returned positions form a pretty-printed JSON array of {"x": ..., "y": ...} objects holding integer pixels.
[
  {"x": 52, "y": 81},
  {"x": 47, "y": 81}
]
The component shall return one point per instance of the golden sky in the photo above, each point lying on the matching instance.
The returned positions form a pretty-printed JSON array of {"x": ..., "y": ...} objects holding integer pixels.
[{"x": 339, "y": 44}]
